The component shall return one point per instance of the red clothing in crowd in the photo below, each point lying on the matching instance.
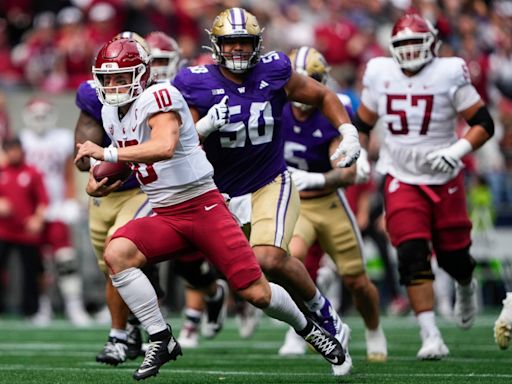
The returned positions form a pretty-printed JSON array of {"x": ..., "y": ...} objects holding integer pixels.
[{"x": 23, "y": 187}]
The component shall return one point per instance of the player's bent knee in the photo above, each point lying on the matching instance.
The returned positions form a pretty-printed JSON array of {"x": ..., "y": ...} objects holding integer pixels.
[
  {"x": 458, "y": 264},
  {"x": 414, "y": 262},
  {"x": 271, "y": 259},
  {"x": 258, "y": 293},
  {"x": 356, "y": 283},
  {"x": 122, "y": 254}
]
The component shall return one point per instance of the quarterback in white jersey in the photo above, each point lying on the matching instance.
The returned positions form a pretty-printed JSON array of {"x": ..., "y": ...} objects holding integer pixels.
[
  {"x": 418, "y": 97},
  {"x": 152, "y": 129}
]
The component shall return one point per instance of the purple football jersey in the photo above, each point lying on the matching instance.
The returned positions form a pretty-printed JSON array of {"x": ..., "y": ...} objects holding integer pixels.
[
  {"x": 87, "y": 100},
  {"x": 307, "y": 142},
  {"x": 247, "y": 153}
]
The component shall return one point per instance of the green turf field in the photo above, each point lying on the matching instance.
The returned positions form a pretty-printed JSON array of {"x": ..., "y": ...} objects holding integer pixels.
[{"x": 61, "y": 354}]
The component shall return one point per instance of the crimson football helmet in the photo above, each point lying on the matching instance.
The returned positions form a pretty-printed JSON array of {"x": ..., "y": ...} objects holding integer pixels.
[
  {"x": 165, "y": 55},
  {"x": 118, "y": 56},
  {"x": 414, "y": 42},
  {"x": 39, "y": 115},
  {"x": 235, "y": 24}
]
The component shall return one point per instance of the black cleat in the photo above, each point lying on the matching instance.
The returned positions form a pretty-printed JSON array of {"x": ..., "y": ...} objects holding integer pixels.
[
  {"x": 133, "y": 342},
  {"x": 324, "y": 343},
  {"x": 113, "y": 353},
  {"x": 159, "y": 352}
]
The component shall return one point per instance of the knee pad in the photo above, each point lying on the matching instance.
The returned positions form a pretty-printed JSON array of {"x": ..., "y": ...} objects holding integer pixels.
[
  {"x": 66, "y": 262},
  {"x": 198, "y": 274},
  {"x": 458, "y": 264},
  {"x": 414, "y": 262}
]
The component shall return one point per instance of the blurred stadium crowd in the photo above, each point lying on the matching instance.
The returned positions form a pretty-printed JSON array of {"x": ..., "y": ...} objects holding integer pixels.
[{"x": 49, "y": 46}]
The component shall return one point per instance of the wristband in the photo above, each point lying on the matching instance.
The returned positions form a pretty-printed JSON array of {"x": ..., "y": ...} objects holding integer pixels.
[
  {"x": 347, "y": 129},
  {"x": 461, "y": 148},
  {"x": 110, "y": 154},
  {"x": 204, "y": 126}
]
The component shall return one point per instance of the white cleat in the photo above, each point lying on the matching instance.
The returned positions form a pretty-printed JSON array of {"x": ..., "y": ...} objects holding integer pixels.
[
  {"x": 189, "y": 336},
  {"x": 293, "y": 345},
  {"x": 503, "y": 324},
  {"x": 345, "y": 368},
  {"x": 465, "y": 304},
  {"x": 432, "y": 347},
  {"x": 78, "y": 316},
  {"x": 376, "y": 345}
]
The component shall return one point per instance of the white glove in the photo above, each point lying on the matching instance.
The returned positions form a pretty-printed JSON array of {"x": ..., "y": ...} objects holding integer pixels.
[
  {"x": 447, "y": 159},
  {"x": 349, "y": 148},
  {"x": 307, "y": 180},
  {"x": 217, "y": 116},
  {"x": 362, "y": 168}
]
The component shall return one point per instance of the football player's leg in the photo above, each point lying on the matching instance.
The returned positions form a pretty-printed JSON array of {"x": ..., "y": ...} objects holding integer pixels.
[
  {"x": 408, "y": 218},
  {"x": 503, "y": 324},
  {"x": 275, "y": 210},
  {"x": 451, "y": 241},
  {"x": 68, "y": 273},
  {"x": 128, "y": 250},
  {"x": 232, "y": 255}
]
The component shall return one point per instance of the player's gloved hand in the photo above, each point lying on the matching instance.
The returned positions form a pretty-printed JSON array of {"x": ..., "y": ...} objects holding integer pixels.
[
  {"x": 307, "y": 180},
  {"x": 349, "y": 148},
  {"x": 447, "y": 159},
  {"x": 362, "y": 168},
  {"x": 217, "y": 116}
]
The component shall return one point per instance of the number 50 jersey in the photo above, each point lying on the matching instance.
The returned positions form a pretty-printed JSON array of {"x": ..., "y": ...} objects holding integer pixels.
[
  {"x": 247, "y": 153},
  {"x": 418, "y": 113}
]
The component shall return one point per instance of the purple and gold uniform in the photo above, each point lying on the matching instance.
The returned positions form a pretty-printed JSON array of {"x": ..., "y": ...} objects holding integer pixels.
[
  {"x": 247, "y": 153},
  {"x": 327, "y": 218},
  {"x": 108, "y": 213}
]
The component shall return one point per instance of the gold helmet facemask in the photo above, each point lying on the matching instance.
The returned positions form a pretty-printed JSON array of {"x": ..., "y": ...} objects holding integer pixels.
[
  {"x": 309, "y": 62},
  {"x": 235, "y": 24}
]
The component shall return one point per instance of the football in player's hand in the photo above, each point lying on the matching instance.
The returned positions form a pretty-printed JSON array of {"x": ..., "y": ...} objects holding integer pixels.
[{"x": 114, "y": 171}]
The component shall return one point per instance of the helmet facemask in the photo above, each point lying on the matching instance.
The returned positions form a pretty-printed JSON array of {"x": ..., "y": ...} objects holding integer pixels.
[
  {"x": 167, "y": 65},
  {"x": 231, "y": 26},
  {"x": 413, "y": 52},
  {"x": 116, "y": 96}
]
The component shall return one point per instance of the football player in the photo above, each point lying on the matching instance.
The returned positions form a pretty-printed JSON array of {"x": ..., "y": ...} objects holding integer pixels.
[
  {"x": 247, "y": 153},
  {"x": 50, "y": 149},
  {"x": 419, "y": 96},
  {"x": 325, "y": 215},
  {"x": 166, "y": 60},
  {"x": 152, "y": 128},
  {"x": 108, "y": 213}
]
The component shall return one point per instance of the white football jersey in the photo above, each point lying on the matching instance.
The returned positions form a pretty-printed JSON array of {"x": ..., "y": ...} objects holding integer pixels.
[
  {"x": 418, "y": 114},
  {"x": 188, "y": 173},
  {"x": 49, "y": 152}
]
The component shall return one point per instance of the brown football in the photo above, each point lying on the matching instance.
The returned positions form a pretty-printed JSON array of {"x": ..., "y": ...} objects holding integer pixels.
[{"x": 114, "y": 171}]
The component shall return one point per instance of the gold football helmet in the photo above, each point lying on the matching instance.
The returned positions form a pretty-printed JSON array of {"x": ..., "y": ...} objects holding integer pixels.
[
  {"x": 235, "y": 24},
  {"x": 309, "y": 62}
]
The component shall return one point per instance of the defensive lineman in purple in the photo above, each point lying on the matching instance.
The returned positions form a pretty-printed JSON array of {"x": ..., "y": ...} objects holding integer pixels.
[{"x": 246, "y": 148}]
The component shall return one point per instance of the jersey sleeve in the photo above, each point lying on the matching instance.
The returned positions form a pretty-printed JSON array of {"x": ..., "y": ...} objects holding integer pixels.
[
  {"x": 197, "y": 87},
  {"x": 369, "y": 96},
  {"x": 162, "y": 97},
  {"x": 462, "y": 91},
  {"x": 87, "y": 100},
  {"x": 277, "y": 68}
]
